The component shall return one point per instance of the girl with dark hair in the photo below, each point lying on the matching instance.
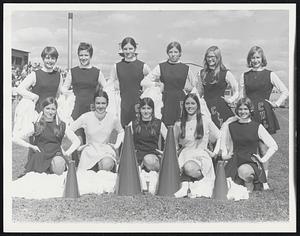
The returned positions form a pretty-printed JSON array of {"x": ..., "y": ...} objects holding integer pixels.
[
  {"x": 213, "y": 80},
  {"x": 85, "y": 80},
  {"x": 257, "y": 84},
  {"x": 47, "y": 132},
  {"x": 126, "y": 76},
  {"x": 146, "y": 131},
  {"x": 97, "y": 153},
  {"x": 244, "y": 164},
  {"x": 192, "y": 134},
  {"x": 175, "y": 78},
  {"x": 44, "y": 82}
]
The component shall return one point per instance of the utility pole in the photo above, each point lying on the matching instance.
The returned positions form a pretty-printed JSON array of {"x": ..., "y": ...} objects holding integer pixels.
[{"x": 70, "y": 39}]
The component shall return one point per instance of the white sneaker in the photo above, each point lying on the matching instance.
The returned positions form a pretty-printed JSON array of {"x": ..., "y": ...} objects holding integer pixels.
[
  {"x": 143, "y": 176},
  {"x": 182, "y": 192},
  {"x": 266, "y": 186}
]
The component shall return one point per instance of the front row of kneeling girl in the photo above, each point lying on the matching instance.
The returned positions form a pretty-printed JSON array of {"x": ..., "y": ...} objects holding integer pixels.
[{"x": 237, "y": 140}]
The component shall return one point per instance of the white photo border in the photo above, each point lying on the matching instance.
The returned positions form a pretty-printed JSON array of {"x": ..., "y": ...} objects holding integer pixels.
[{"x": 9, "y": 226}]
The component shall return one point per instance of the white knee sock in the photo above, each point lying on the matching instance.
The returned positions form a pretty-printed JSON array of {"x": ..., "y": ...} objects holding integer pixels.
[{"x": 267, "y": 172}]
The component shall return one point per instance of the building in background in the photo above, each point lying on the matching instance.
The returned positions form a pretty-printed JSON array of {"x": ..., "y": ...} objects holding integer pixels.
[{"x": 19, "y": 58}]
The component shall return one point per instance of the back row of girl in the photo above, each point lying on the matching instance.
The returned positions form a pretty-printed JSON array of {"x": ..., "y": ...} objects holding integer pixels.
[{"x": 172, "y": 76}]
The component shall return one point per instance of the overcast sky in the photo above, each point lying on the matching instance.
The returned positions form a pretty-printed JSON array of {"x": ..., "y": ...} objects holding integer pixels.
[{"x": 234, "y": 32}]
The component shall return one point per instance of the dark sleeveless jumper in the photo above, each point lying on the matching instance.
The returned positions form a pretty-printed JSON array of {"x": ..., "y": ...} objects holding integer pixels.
[
  {"x": 46, "y": 86},
  {"x": 245, "y": 143},
  {"x": 174, "y": 78},
  {"x": 130, "y": 75},
  {"x": 219, "y": 109},
  {"x": 144, "y": 142},
  {"x": 84, "y": 83},
  {"x": 258, "y": 87}
]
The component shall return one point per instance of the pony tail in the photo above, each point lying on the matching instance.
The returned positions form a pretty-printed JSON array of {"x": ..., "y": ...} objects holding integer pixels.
[
  {"x": 62, "y": 128},
  {"x": 183, "y": 119},
  {"x": 216, "y": 73},
  {"x": 218, "y": 69},
  {"x": 39, "y": 126},
  {"x": 182, "y": 127},
  {"x": 199, "y": 127},
  {"x": 202, "y": 76},
  {"x": 153, "y": 126},
  {"x": 59, "y": 128},
  {"x": 137, "y": 125}
]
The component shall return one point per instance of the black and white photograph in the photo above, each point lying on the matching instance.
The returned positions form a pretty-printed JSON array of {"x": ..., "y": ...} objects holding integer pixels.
[{"x": 149, "y": 118}]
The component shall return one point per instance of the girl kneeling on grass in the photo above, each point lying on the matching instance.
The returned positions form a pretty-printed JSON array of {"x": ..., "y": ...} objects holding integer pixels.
[
  {"x": 47, "y": 134},
  {"x": 245, "y": 166},
  {"x": 97, "y": 153},
  {"x": 192, "y": 133},
  {"x": 146, "y": 131}
]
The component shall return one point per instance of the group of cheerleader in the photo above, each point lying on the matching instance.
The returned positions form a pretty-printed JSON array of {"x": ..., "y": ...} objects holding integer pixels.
[{"x": 205, "y": 126}]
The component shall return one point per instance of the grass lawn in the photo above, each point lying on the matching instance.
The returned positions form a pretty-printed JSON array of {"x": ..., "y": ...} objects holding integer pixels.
[{"x": 271, "y": 205}]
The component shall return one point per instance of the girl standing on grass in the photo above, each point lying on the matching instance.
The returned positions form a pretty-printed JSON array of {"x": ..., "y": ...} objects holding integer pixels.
[
  {"x": 192, "y": 134},
  {"x": 212, "y": 83},
  {"x": 47, "y": 133},
  {"x": 126, "y": 76},
  {"x": 175, "y": 78},
  {"x": 84, "y": 79},
  {"x": 44, "y": 82},
  {"x": 245, "y": 165},
  {"x": 98, "y": 153},
  {"x": 146, "y": 131},
  {"x": 257, "y": 84}
]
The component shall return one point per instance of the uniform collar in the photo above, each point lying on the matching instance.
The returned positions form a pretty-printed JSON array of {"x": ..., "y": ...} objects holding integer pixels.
[{"x": 260, "y": 69}]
